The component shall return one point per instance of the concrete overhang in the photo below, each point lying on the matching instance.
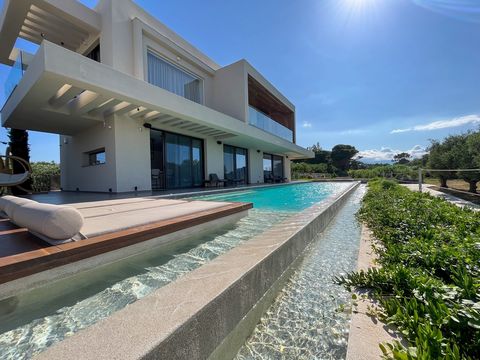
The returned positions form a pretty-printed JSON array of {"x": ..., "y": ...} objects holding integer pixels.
[
  {"x": 64, "y": 22},
  {"x": 65, "y": 93}
]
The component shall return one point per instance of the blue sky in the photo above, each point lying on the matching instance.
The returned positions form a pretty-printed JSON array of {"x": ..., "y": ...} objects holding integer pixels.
[{"x": 382, "y": 75}]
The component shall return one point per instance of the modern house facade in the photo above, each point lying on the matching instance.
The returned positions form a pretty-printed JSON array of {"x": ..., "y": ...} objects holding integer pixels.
[{"x": 136, "y": 106}]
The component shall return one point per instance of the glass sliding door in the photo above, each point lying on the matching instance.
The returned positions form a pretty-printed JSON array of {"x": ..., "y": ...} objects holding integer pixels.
[
  {"x": 267, "y": 168},
  {"x": 277, "y": 166},
  {"x": 157, "y": 160},
  {"x": 180, "y": 161},
  {"x": 197, "y": 162},
  {"x": 235, "y": 165},
  {"x": 272, "y": 168},
  {"x": 228, "y": 163},
  {"x": 241, "y": 165}
]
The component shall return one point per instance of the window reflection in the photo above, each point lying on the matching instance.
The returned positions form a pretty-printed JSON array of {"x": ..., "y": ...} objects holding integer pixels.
[
  {"x": 235, "y": 165},
  {"x": 183, "y": 160},
  {"x": 273, "y": 168}
]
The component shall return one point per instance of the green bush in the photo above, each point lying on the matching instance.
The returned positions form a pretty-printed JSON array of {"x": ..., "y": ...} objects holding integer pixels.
[
  {"x": 399, "y": 172},
  {"x": 42, "y": 174},
  {"x": 428, "y": 285}
]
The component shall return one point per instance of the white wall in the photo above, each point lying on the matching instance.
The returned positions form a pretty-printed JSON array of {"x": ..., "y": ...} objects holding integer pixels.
[
  {"x": 287, "y": 168},
  {"x": 230, "y": 91},
  {"x": 213, "y": 158},
  {"x": 255, "y": 166},
  {"x": 132, "y": 150},
  {"x": 75, "y": 172}
]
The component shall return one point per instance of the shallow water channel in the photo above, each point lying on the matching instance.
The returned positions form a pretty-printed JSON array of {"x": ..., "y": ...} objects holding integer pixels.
[{"x": 307, "y": 320}]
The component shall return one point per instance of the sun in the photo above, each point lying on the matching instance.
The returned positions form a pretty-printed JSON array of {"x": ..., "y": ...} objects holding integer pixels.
[
  {"x": 359, "y": 7},
  {"x": 359, "y": 4}
]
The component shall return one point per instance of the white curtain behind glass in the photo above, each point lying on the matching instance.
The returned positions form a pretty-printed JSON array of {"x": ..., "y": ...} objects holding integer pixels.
[{"x": 169, "y": 77}]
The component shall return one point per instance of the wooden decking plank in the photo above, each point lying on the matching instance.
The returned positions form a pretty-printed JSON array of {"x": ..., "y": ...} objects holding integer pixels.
[{"x": 23, "y": 254}]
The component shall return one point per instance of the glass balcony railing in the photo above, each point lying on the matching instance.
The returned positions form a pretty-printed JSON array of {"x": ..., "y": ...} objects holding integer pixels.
[
  {"x": 262, "y": 121},
  {"x": 14, "y": 76}
]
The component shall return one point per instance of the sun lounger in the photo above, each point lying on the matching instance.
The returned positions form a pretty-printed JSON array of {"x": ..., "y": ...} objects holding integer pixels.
[{"x": 56, "y": 224}]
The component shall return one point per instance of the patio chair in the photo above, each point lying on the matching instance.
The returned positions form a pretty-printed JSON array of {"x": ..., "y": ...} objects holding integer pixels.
[
  {"x": 213, "y": 180},
  {"x": 269, "y": 179},
  {"x": 157, "y": 179}
]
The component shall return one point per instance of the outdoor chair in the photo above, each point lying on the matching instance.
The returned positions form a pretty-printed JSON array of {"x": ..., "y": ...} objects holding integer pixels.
[
  {"x": 157, "y": 179},
  {"x": 7, "y": 177},
  {"x": 213, "y": 180}
]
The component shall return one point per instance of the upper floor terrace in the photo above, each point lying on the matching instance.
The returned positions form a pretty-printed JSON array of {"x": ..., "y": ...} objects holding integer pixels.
[{"x": 45, "y": 95}]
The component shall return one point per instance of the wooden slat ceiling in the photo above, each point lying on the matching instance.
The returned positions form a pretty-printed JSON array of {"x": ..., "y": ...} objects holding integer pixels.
[{"x": 260, "y": 98}]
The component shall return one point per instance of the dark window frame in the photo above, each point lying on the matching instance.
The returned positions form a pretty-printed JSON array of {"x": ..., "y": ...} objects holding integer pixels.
[{"x": 92, "y": 157}]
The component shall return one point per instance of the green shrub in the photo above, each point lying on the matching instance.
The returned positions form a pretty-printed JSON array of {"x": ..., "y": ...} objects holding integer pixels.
[
  {"x": 42, "y": 174},
  {"x": 429, "y": 282},
  {"x": 399, "y": 172}
]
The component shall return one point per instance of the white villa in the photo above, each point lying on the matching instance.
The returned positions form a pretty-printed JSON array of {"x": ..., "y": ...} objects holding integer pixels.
[{"x": 136, "y": 106}]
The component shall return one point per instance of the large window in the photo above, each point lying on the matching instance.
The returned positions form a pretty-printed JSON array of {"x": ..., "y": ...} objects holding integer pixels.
[
  {"x": 184, "y": 165},
  {"x": 169, "y": 77},
  {"x": 176, "y": 160},
  {"x": 272, "y": 168},
  {"x": 235, "y": 164}
]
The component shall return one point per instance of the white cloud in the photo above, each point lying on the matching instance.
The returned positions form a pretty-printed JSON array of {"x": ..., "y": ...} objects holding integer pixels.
[
  {"x": 442, "y": 124},
  {"x": 307, "y": 124},
  {"x": 386, "y": 153}
]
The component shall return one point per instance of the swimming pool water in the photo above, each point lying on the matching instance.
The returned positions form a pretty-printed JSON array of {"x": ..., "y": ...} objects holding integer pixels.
[
  {"x": 307, "y": 320},
  {"x": 289, "y": 197},
  {"x": 31, "y": 322}
]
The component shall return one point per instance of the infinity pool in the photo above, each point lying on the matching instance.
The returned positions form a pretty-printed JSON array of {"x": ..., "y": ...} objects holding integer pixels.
[
  {"x": 289, "y": 197},
  {"x": 33, "y": 321}
]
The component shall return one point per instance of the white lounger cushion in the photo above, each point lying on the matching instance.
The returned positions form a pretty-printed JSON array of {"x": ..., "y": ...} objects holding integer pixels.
[
  {"x": 56, "y": 222},
  {"x": 11, "y": 203}
]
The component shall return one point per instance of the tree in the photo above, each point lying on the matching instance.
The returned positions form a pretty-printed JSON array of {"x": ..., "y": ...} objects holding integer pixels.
[
  {"x": 469, "y": 155},
  {"x": 315, "y": 148},
  {"x": 456, "y": 152},
  {"x": 440, "y": 158},
  {"x": 402, "y": 158},
  {"x": 342, "y": 155},
  {"x": 19, "y": 147}
]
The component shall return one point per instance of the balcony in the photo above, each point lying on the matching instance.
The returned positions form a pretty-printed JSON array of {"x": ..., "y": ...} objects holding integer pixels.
[
  {"x": 14, "y": 76},
  {"x": 260, "y": 120}
]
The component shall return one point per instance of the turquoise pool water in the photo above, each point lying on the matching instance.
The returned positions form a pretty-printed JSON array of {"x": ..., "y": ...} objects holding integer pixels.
[
  {"x": 33, "y": 321},
  {"x": 307, "y": 320},
  {"x": 290, "y": 197}
]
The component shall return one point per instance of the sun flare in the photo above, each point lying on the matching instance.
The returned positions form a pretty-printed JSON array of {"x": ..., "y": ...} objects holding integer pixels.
[{"x": 359, "y": 7}]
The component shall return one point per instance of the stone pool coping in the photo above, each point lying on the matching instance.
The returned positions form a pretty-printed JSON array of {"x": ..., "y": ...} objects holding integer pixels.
[
  {"x": 367, "y": 332},
  {"x": 191, "y": 317}
]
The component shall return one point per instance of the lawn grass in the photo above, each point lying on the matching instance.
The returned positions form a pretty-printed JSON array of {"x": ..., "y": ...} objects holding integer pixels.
[{"x": 428, "y": 284}]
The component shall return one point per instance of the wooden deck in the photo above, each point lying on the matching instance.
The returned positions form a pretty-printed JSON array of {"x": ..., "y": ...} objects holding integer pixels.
[{"x": 23, "y": 254}]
